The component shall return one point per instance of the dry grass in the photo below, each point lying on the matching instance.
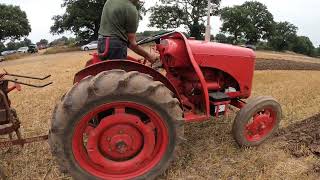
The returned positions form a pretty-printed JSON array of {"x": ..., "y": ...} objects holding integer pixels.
[
  {"x": 60, "y": 49},
  {"x": 209, "y": 152},
  {"x": 16, "y": 56}
]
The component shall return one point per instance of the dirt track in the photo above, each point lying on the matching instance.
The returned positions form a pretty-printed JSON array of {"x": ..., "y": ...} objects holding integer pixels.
[
  {"x": 263, "y": 64},
  {"x": 303, "y": 138}
]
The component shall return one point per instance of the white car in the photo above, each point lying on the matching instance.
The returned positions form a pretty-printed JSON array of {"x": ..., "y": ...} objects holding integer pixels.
[
  {"x": 23, "y": 50},
  {"x": 90, "y": 46}
]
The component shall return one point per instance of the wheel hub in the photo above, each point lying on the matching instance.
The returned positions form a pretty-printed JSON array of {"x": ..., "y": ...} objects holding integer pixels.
[
  {"x": 119, "y": 138},
  {"x": 121, "y": 141},
  {"x": 261, "y": 125}
]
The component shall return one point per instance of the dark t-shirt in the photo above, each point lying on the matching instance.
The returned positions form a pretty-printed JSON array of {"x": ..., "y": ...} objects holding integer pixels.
[{"x": 119, "y": 17}]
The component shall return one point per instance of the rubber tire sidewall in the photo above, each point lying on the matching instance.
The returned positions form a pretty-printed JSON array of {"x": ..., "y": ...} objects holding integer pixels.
[
  {"x": 86, "y": 49},
  {"x": 245, "y": 114},
  {"x": 78, "y": 173}
]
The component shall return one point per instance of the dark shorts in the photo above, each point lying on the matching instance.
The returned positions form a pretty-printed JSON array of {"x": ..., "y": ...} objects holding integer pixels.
[{"x": 112, "y": 48}]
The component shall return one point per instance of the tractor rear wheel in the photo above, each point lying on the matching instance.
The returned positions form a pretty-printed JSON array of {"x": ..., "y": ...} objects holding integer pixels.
[
  {"x": 116, "y": 125},
  {"x": 256, "y": 121}
]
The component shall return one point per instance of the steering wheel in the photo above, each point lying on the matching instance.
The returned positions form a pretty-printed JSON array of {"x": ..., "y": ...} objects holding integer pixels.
[{"x": 154, "y": 37}]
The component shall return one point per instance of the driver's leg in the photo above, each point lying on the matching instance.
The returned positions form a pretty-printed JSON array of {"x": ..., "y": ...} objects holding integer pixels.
[{"x": 112, "y": 48}]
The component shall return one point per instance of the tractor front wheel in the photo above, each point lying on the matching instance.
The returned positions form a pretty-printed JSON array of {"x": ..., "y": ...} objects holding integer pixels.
[
  {"x": 116, "y": 125},
  {"x": 256, "y": 121}
]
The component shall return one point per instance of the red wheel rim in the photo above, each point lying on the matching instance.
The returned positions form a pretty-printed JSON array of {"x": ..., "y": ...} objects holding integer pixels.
[
  {"x": 260, "y": 125},
  {"x": 125, "y": 144}
]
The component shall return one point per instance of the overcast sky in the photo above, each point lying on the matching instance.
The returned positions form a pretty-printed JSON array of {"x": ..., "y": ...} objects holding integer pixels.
[{"x": 303, "y": 13}]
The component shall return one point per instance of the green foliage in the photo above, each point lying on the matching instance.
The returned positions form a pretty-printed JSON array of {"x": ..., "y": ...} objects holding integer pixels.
[
  {"x": 233, "y": 22},
  {"x": 145, "y": 34},
  {"x": 222, "y": 38},
  {"x": 13, "y": 22},
  {"x": 2, "y": 47},
  {"x": 317, "y": 51},
  {"x": 284, "y": 34},
  {"x": 13, "y": 45},
  {"x": 251, "y": 20},
  {"x": 59, "y": 42},
  {"x": 43, "y": 42},
  {"x": 82, "y": 17},
  {"x": 302, "y": 45},
  {"x": 64, "y": 41},
  {"x": 189, "y": 13},
  {"x": 263, "y": 45}
]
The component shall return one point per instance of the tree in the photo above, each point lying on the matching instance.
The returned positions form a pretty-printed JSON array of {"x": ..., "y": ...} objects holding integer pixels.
[
  {"x": 42, "y": 42},
  {"x": 234, "y": 20},
  {"x": 189, "y": 13},
  {"x": 284, "y": 34},
  {"x": 13, "y": 45},
  {"x": 64, "y": 41},
  {"x": 303, "y": 45},
  {"x": 318, "y": 51},
  {"x": 2, "y": 47},
  {"x": 222, "y": 38},
  {"x": 13, "y": 23},
  {"x": 82, "y": 17},
  {"x": 251, "y": 20}
]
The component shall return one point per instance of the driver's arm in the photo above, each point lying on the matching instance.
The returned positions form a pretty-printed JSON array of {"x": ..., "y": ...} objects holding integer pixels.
[{"x": 138, "y": 49}]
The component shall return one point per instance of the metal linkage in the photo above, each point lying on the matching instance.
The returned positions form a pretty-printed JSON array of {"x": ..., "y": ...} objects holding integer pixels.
[
  {"x": 9, "y": 121},
  {"x": 6, "y": 74},
  {"x": 27, "y": 84},
  {"x": 22, "y": 142}
]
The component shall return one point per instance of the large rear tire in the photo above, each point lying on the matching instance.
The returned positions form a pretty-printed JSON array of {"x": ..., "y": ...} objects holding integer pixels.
[
  {"x": 116, "y": 125},
  {"x": 256, "y": 121}
]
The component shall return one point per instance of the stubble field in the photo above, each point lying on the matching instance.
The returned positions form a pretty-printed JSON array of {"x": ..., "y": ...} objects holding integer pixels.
[{"x": 210, "y": 151}]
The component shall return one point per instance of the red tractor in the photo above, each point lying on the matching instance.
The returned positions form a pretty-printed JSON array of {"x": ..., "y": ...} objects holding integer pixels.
[{"x": 124, "y": 120}]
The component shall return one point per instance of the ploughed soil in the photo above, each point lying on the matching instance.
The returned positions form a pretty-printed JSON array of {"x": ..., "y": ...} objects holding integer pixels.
[
  {"x": 302, "y": 139},
  {"x": 266, "y": 64}
]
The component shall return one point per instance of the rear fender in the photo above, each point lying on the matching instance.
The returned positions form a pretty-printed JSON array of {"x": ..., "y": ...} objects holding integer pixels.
[{"x": 125, "y": 65}]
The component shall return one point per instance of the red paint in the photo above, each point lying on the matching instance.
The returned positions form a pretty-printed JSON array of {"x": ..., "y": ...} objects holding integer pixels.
[
  {"x": 106, "y": 49},
  {"x": 122, "y": 146},
  {"x": 261, "y": 125},
  {"x": 193, "y": 68}
]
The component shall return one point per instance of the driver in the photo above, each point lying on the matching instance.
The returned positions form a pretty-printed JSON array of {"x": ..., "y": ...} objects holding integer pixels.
[{"x": 119, "y": 24}]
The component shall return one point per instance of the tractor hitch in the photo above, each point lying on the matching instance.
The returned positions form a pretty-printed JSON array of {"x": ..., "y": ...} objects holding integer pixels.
[
  {"x": 9, "y": 121},
  {"x": 6, "y": 74}
]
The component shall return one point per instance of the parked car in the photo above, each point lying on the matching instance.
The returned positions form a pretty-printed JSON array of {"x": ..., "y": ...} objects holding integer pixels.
[
  {"x": 90, "y": 46},
  {"x": 23, "y": 50},
  {"x": 33, "y": 48},
  {"x": 6, "y": 53}
]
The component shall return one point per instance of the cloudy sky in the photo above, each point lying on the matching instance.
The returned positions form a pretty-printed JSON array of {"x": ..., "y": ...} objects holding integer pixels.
[{"x": 303, "y": 13}]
